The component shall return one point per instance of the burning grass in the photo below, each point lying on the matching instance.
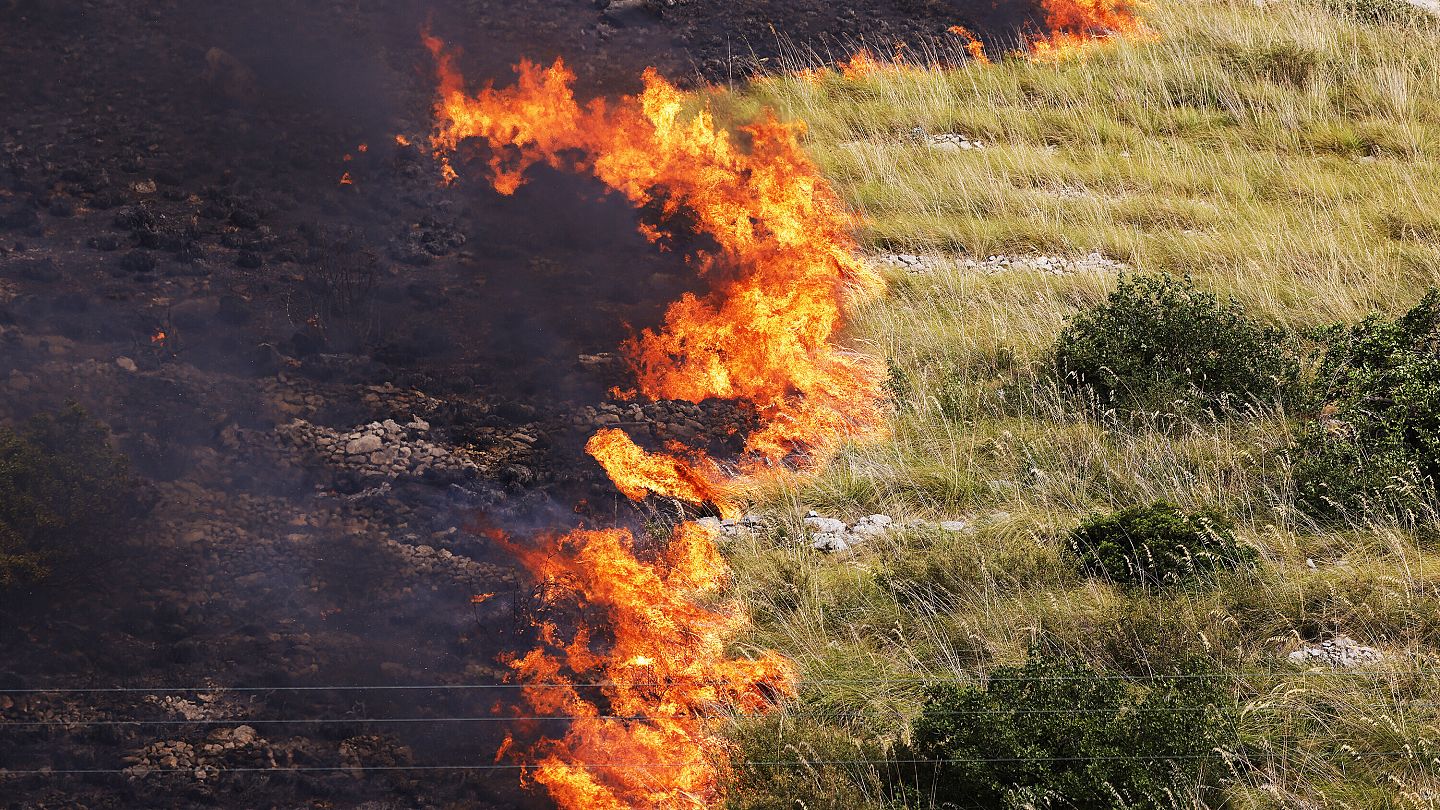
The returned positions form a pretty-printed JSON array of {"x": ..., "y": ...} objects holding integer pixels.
[{"x": 1269, "y": 153}]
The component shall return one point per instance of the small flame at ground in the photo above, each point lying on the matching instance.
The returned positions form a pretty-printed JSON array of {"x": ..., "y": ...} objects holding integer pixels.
[{"x": 637, "y": 473}]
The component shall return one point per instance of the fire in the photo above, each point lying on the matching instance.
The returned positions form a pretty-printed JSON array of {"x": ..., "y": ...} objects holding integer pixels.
[
  {"x": 345, "y": 180},
  {"x": 973, "y": 45},
  {"x": 159, "y": 337},
  {"x": 1078, "y": 27},
  {"x": 666, "y": 679},
  {"x": 765, "y": 334},
  {"x": 636, "y": 473},
  {"x": 401, "y": 140},
  {"x": 787, "y": 263}
]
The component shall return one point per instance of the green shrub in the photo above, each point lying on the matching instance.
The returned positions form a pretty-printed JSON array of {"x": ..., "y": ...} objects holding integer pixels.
[
  {"x": 1375, "y": 439},
  {"x": 62, "y": 487},
  {"x": 1158, "y": 340},
  {"x": 1054, "y": 733},
  {"x": 1157, "y": 545}
]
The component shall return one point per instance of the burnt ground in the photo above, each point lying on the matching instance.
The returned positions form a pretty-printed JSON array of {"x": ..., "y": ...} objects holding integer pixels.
[{"x": 352, "y": 379}]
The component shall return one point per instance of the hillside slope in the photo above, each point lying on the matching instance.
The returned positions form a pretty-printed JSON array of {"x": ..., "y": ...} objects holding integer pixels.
[{"x": 1286, "y": 154}]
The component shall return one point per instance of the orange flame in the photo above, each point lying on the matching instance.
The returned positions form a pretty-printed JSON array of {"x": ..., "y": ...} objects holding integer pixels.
[
  {"x": 636, "y": 473},
  {"x": 345, "y": 180},
  {"x": 665, "y": 676},
  {"x": 159, "y": 337},
  {"x": 1079, "y": 27},
  {"x": 973, "y": 45},
  {"x": 401, "y": 140},
  {"x": 765, "y": 333}
]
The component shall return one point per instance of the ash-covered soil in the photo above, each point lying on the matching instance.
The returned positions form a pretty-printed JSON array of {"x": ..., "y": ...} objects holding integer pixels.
[{"x": 330, "y": 373}]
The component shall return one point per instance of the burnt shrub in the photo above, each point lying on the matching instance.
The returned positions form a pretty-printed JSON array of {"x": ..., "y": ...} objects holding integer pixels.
[
  {"x": 1056, "y": 733},
  {"x": 1156, "y": 545},
  {"x": 62, "y": 489},
  {"x": 1375, "y": 438},
  {"x": 1158, "y": 340}
]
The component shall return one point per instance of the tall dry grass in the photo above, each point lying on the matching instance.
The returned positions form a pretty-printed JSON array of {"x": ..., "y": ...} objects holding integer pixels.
[{"x": 1286, "y": 153}]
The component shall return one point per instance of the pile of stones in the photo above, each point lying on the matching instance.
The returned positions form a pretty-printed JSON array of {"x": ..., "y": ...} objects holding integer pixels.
[
  {"x": 993, "y": 265},
  {"x": 238, "y": 747},
  {"x": 1341, "y": 652},
  {"x": 379, "y": 450}
]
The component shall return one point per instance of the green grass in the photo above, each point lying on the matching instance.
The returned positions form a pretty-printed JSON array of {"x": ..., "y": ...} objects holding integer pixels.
[{"x": 1288, "y": 155}]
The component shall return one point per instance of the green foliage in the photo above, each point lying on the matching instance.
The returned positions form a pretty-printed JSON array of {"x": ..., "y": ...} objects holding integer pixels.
[
  {"x": 62, "y": 487},
  {"x": 1055, "y": 733},
  {"x": 1376, "y": 438},
  {"x": 1159, "y": 544},
  {"x": 1158, "y": 340}
]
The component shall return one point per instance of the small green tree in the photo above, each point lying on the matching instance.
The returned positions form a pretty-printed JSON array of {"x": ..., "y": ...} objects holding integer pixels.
[
  {"x": 61, "y": 487},
  {"x": 1055, "y": 733},
  {"x": 1158, "y": 340},
  {"x": 1158, "y": 545}
]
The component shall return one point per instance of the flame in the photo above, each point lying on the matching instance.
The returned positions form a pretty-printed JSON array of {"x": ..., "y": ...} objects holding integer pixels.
[
  {"x": 665, "y": 676},
  {"x": 401, "y": 140},
  {"x": 763, "y": 334},
  {"x": 973, "y": 45},
  {"x": 363, "y": 148},
  {"x": 159, "y": 337},
  {"x": 786, "y": 265},
  {"x": 345, "y": 180},
  {"x": 636, "y": 473},
  {"x": 1079, "y": 27}
]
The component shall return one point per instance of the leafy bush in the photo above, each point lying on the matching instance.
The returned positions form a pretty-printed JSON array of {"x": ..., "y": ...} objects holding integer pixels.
[
  {"x": 61, "y": 487},
  {"x": 1054, "y": 733},
  {"x": 1157, "y": 544},
  {"x": 1375, "y": 440},
  {"x": 1158, "y": 340}
]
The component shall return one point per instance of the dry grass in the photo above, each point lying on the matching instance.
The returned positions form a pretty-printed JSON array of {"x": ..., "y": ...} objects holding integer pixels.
[{"x": 1285, "y": 154}]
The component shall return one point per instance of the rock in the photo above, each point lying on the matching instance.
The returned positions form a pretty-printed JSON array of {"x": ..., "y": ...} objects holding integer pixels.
[
  {"x": 830, "y": 542},
  {"x": 126, "y": 364},
  {"x": 363, "y": 445},
  {"x": 954, "y": 525},
  {"x": 824, "y": 525},
  {"x": 1341, "y": 652}
]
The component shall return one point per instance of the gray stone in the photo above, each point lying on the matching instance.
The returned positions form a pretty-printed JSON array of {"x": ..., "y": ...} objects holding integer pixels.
[
  {"x": 824, "y": 525},
  {"x": 829, "y": 542},
  {"x": 363, "y": 445}
]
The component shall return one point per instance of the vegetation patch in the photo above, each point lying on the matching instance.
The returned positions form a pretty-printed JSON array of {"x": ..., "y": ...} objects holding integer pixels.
[
  {"x": 1159, "y": 340},
  {"x": 1375, "y": 440},
  {"x": 1056, "y": 733},
  {"x": 62, "y": 489},
  {"x": 1156, "y": 545}
]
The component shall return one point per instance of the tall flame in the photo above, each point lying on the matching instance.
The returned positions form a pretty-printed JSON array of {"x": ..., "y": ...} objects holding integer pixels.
[
  {"x": 764, "y": 334},
  {"x": 666, "y": 680}
]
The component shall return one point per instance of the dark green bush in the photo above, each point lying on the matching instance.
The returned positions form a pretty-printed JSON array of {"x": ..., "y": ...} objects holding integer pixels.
[
  {"x": 62, "y": 487},
  {"x": 1159, "y": 340},
  {"x": 1375, "y": 439},
  {"x": 1158, "y": 545},
  {"x": 1055, "y": 733}
]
